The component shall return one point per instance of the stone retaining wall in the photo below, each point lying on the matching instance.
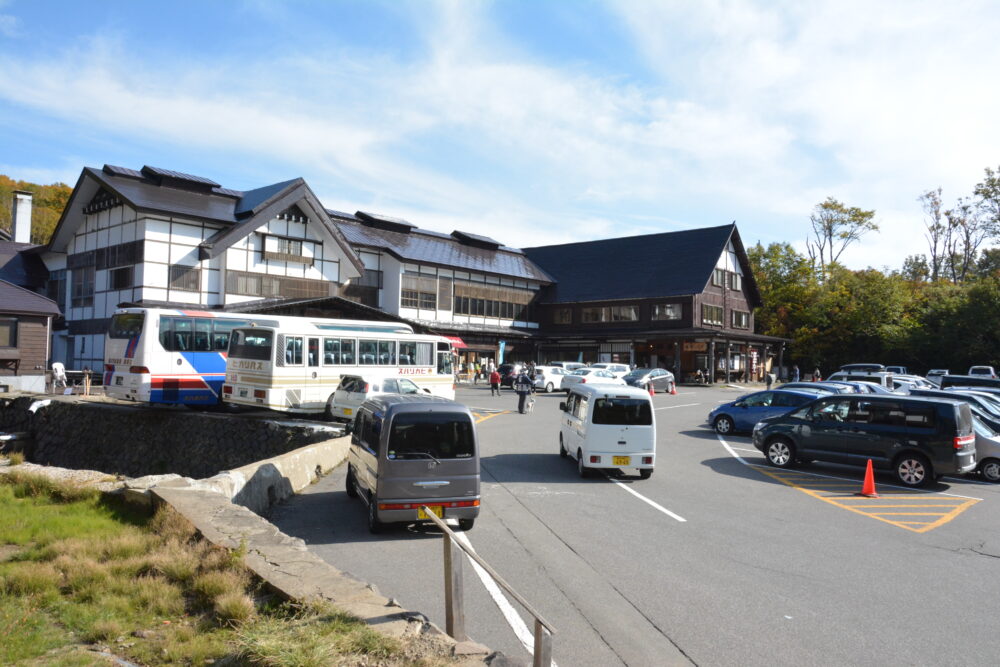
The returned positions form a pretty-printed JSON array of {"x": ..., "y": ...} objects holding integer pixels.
[{"x": 138, "y": 441}]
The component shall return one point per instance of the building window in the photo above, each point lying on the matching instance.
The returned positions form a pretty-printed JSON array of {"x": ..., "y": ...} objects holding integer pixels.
[
  {"x": 418, "y": 292},
  {"x": 260, "y": 284},
  {"x": 8, "y": 332},
  {"x": 187, "y": 278},
  {"x": 711, "y": 315},
  {"x": 120, "y": 278},
  {"x": 444, "y": 294},
  {"x": 563, "y": 316},
  {"x": 667, "y": 311},
  {"x": 719, "y": 277},
  {"x": 289, "y": 247},
  {"x": 610, "y": 314},
  {"x": 364, "y": 290},
  {"x": 741, "y": 320},
  {"x": 55, "y": 288},
  {"x": 285, "y": 249},
  {"x": 735, "y": 281},
  {"x": 123, "y": 254},
  {"x": 505, "y": 303},
  {"x": 83, "y": 286}
]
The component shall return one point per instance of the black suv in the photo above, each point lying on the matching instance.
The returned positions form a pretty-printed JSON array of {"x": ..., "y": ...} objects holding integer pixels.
[{"x": 918, "y": 439}]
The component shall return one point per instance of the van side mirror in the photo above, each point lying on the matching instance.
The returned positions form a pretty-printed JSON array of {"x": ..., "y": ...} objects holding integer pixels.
[{"x": 562, "y": 405}]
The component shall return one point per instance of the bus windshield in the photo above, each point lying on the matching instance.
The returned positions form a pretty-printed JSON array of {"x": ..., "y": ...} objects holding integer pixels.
[
  {"x": 623, "y": 412},
  {"x": 126, "y": 325},
  {"x": 251, "y": 344},
  {"x": 441, "y": 435}
]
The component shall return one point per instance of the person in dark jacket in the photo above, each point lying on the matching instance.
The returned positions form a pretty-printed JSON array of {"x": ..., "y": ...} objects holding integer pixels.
[{"x": 524, "y": 388}]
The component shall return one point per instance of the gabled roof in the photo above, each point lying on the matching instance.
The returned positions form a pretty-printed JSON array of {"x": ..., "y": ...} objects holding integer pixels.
[
  {"x": 19, "y": 301},
  {"x": 638, "y": 267},
  {"x": 21, "y": 268},
  {"x": 167, "y": 192},
  {"x": 463, "y": 252}
]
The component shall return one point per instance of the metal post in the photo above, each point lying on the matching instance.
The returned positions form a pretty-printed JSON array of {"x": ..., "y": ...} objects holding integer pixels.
[
  {"x": 543, "y": 646},
  {"x": 454, "y": 593},
  {"x": 729, "y": 358}
]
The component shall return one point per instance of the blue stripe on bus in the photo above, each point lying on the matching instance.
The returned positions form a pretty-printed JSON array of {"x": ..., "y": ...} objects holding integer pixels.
[{"x": 206, "y": 362}]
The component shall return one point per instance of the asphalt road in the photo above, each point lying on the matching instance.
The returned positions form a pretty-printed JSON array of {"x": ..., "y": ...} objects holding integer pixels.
[{"x": 716, "y": 561}]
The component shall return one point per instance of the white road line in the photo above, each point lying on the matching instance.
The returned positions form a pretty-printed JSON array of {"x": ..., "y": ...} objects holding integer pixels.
[
  {"x": 514, "y": 619},
  {"x": 744, "y": 449},
  {"x": 649, "y": 502},
  {"x": 799, "y": 471},
  {"x": 671, "y": 407}
]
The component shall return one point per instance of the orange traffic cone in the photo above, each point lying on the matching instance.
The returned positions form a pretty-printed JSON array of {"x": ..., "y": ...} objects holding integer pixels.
[
  {"x": 673, "y": 390},
  {"x": 868, "y": 488},
  {"x": 652, "y": 392}
]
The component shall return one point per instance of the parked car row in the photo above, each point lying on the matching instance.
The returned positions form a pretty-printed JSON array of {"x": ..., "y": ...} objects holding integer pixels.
[{"x": 918, "y": 436}]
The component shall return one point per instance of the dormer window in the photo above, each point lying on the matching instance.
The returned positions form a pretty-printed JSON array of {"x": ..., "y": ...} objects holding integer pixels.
[{"x": 287, "y": 249}]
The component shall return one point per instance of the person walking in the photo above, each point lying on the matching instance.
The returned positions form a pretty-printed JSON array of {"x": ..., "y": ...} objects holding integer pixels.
[
  {"x": 524, "y": 388},
  {"x": 795, "y": 374},
  {"x": 817, "y": 376},
  {"x": 768, "y": 379},
  {"x": 494, "y": 382},
  {"x": 475, "y": 373}
]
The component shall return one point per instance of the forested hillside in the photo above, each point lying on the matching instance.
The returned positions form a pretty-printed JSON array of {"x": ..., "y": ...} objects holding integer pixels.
[{"x": 49, "y": 202}]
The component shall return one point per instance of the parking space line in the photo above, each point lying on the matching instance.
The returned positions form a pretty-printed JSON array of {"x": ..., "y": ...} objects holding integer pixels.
[
  {"x": 651, "y": 503},
  {"x": 831, "y": 492},
  {"x": 671, "y": 407}
]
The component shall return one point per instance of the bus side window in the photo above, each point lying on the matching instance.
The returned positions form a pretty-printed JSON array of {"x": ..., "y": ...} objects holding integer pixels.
[
  {"x": 182, "y": 334},
  {"x": 347, "y": 351},
  {"x": 331, "y": 351},
  {"x": 202, "y": 335},
  {"x": 293, "y": 351},
  {"x": 167, "y": 332},
  {"x": 314, "y": 351},
  {"x": 387, "y": 353}
]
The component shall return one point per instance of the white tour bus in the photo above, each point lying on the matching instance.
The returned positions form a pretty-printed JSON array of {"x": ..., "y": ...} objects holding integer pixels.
[
  {"x": 159, "y": 355},
  {"x": 297, "y": 366}
]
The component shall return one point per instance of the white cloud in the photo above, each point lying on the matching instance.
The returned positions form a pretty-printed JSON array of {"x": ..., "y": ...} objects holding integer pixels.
[{"x": 761, "y": 111}]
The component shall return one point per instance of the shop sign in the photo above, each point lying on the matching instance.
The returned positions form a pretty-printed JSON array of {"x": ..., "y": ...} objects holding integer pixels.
[{"x": 695, "y": 347}]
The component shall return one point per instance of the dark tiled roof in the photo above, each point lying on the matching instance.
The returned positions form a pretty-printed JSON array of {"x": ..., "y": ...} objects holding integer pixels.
[
  {"x": 14, "y": 299},
  {"x": 252, "y": 200},
  {"x": 636, "y": 267},
  {"x": 420, "y": 246},
  {"x": 20, "y": 268}
]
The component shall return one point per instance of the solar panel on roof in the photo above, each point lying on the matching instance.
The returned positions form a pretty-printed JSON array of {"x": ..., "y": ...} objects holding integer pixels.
[
  {"x": 177, "y": 175},
  {"x": 121, "y": 171}
]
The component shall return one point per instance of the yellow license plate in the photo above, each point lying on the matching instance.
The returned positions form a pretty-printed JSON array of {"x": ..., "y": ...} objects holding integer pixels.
[
  {"x": 620, "y": 460},
  {"x": 348, "y": 411},
  {"x": 437, "y": 509}
]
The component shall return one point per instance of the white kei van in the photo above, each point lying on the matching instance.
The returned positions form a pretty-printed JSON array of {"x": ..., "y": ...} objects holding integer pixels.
[{"x": 608, "y": 427}]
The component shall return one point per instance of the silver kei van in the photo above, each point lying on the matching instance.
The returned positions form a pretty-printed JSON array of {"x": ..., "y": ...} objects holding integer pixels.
[{"x": 409, "y": 451}]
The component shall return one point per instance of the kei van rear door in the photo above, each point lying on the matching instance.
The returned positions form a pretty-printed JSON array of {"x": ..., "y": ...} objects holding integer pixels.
[{"x": 428, "y": 456}]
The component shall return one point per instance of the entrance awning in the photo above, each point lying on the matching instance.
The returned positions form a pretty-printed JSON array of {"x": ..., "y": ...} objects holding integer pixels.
[{"x": 456, "y": 342}]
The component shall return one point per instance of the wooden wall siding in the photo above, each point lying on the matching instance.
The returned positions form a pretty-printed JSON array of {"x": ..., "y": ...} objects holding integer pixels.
[{"x": 31, "y": 341}]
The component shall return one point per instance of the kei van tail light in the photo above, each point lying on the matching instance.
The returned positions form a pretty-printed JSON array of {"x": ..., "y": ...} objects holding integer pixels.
[
  {"x": 647, "y": 460},
  {"x": 963, "y": 441}
]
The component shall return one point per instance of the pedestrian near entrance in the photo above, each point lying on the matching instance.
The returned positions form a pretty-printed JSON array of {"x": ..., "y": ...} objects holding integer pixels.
[
  {"x": 768, "y": 379},
  {"x": 524, "y": 388},
  {"x": 817, "y": 376},
  {"x": 495, "y": 383},
  {"x": 795, "y": 374}
]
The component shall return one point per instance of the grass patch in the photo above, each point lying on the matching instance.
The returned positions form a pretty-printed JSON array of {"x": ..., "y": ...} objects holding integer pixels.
[
  {"x": 79, "y": 571},
  {"x": 15, "y": 458}
]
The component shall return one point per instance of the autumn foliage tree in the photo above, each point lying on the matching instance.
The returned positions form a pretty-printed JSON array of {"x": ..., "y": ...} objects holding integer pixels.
[{"x": 47, "y": 206}]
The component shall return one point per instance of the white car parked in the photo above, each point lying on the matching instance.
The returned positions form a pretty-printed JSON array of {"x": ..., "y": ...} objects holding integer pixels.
[
  {"x": 589, "y": 376},
  {"x": 355, "y": 390},
  {"x": 549, "y": 378},
  {"x": 618, "y": 370}
]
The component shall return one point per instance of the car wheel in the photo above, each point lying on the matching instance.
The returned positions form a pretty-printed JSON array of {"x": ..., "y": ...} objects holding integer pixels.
[
  {"x": 990, "y": 469},
  {"x": 328, "y": 413},
  {"x": 581, "y": 469},
  {"x": 351, "y": 484},
  {"x": 913, "y": 470},
  {"x": 549, "y": 388},
  {"x": 374, "y": 525},
  {"x": 724, "y": 425},
  {"x": 646, "y": 473},
  {"x": 780, "y": 453},
  {"x": 562, "y": 448},
  {"x": 466, "y": 524}
]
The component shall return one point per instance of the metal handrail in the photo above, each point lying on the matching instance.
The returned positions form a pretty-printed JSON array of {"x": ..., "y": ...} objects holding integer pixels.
[{"x": 454, "y": 611}]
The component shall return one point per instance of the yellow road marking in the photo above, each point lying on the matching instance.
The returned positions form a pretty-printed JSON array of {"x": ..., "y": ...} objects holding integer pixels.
[
  {"x": 495, "y": 414},
  {"x": 838, "y": 499}
]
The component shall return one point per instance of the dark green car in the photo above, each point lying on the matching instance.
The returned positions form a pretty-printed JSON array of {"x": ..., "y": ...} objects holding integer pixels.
[{"x": 918, "y": 439}]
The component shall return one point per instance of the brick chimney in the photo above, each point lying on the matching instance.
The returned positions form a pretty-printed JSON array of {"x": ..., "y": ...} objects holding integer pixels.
[{"x": 21, "y": 217}]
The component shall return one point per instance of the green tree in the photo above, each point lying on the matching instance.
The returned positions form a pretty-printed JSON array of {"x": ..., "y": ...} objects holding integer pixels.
[
  {"x": 835, "y": 226},
  {"x": 787, "y": 285},
  {"x": 47, "y": 206}
]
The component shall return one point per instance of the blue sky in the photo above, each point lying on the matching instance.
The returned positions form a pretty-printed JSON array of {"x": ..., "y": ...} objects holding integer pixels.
[{"x": 531, "y": 122}]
